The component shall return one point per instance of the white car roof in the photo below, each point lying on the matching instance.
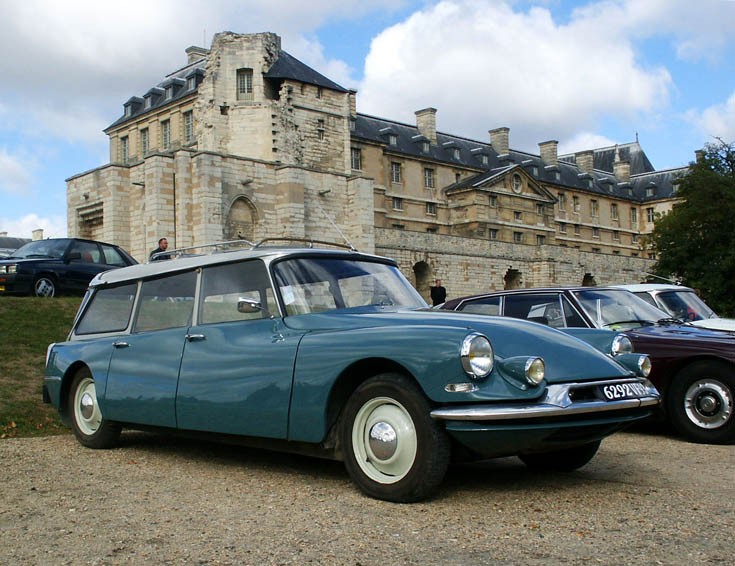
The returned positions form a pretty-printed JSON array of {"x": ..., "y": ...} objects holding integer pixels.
[{"x": 644, "y": 287}]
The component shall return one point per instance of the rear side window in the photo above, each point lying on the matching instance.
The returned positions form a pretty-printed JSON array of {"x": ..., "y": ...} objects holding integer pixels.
[
  {"x": 167, "y": 302},
  {"x": 537, "y": 307},
  {"x": 223, "y": 286},
  {"x": 486, "y": 305},
  {"x": 112, "y": 256},
  {"x": 109, "y": 310}
]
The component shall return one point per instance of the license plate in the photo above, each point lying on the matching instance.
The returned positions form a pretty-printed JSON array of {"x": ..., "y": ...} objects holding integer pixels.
[{"x": 617, "y": 391}]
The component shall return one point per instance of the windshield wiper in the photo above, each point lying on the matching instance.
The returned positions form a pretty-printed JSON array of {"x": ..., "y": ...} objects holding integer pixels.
[
  {"x": 632, "y": 321},
  {"x": 670, "y": 320}
]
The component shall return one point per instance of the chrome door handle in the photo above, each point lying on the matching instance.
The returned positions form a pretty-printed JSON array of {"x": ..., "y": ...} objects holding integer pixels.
[
  {"x": 195, "y": 337},
  {"x": 121, "y": 344}
]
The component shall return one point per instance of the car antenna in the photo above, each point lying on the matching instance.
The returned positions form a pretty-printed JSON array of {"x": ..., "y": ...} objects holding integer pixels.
[
  {"x": 332, "y": 222},
  {"x": 673, "y": 281}
]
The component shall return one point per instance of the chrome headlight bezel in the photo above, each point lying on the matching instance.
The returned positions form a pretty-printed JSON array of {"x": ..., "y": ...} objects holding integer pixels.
[
  {"x": 621, "y": 344},
  {"x": 477, "y": 356},
  {"x": 535, "y": 370}
]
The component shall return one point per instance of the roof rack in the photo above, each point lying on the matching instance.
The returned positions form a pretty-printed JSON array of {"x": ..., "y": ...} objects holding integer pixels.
[
  {"x": 309, "y": 241},
  {"x": 234, "y": 245},
  {"x": 216, "y": 247}
]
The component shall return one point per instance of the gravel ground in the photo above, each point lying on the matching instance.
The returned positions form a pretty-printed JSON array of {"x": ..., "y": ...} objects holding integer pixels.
[{"x": 645, "y": 498}]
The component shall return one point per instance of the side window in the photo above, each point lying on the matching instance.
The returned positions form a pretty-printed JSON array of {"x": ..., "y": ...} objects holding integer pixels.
[
  {"x": 648, "y": 298},
  {"x": 88, "y": 251},
  {"x": 488, "y": 305},
  {"x": 571, "y": 316},
  {"x": 109, "y": 310},
  {"x": 223, "y": 286},
  {"x": 167, "y": 302},
  {"x": 112, "y": 256},
  {"x": 540, "y": 308}
]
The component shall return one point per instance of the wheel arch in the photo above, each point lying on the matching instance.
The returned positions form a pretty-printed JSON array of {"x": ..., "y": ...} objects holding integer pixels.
[
  {"x": 66, "y": 382},
  {"x": 348, "y": 381}
]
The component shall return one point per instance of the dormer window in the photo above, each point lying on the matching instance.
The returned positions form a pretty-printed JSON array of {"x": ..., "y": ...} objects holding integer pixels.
[
  {"x": 191, "y": 83},
  {"x": 484, "y": 159},
  {"x": 169, "y": 93},
  {"x": 245, "y": 84},
  {"x": 393, "y": 139},
  {"x": 147, "y": 102},
  {"x": 455, "y": 153},
  {"x": 128, "y": 111},
  {"x": 426, "y": 147}
]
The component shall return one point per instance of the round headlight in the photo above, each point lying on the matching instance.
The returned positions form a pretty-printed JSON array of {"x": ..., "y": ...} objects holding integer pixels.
[
  {"x": 644, "y": 364},
  {"x": 621, "y": 344},
  {"x": 477, "y": 355},
  {"x": 535, "y": 370}
]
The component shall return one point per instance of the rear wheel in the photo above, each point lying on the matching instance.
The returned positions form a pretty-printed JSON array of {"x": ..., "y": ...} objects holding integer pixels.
[
  {"x": 566, "y": 460},
  {"x": 701, "y": 401},
  {"x": 44, "y": 286},
  {"x": 90, "y": 427},
  {"x": 393, "y": 449}
]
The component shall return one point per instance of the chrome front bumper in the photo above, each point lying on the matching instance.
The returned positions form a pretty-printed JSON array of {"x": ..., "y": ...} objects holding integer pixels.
[{"x": 560, "y": 400}]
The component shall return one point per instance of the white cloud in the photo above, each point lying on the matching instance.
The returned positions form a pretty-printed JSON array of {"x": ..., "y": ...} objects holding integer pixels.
[
  {"x": 584, "y": 140},
  {"x": 14, "y": 173},
  {"x": 53, "y": 227},
  {"x": 717, "y": 121},
  {"x": 491, "y": 66}
]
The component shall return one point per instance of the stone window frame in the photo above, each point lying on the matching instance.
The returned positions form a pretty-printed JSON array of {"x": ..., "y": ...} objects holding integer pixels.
[
  {"x": 492, "y": 201},
  {"x": 165, "y": 134},
  {"x": 320, "y": 129},
  {"x": 562, "y": 227},
  {"x": 575, "y": 204},
  {"x": 614, "y": 211},
  {"x": 594, "y": 208},
  {"x": 244, "y": 84},
  {"x": 562, "y": 202},
  {"x": 145, "y": 141},
  {"x": 492, "y": 234},
  {"x": 595, "y": 232},
  {"x": 633, "y": 216},
  {"x": 517, "y": 237},
  {"x": 518, "y": 216},
  {"x": 431, "y": 209},
  {"x": 395, "y": 172},
  {"x": 429, "y": 176},
  {"x": 188, "y": 126},
  {"x": 356, "y": 158},
  {"x": 397, "y": 203},
  {"x": 540, "y": 240},
  {"x": 124, "y": 149},
  {"x": 650, "y": 214}
]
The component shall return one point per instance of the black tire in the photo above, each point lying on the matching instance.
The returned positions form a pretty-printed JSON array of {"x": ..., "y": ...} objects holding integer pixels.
[
  {"x": 90, "y": 427},
  {"x": 393, "y": 449},
  {"x": 566, "y": 460},
  {"x": 44, "y": 286},
  {"x": 700, "y": 402}
]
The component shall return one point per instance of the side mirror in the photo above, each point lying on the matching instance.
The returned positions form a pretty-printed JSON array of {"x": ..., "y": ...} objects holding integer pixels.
[
  {"x": 73, "y": 256},
  {"x": 248, "y": 306}
]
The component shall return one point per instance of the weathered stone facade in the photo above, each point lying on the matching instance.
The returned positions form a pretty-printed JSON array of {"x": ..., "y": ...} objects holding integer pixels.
[{"x": 246, "y": 142}]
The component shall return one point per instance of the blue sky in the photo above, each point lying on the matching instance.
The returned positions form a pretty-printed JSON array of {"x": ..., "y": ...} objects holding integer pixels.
[{"x": 586, "y": 73}]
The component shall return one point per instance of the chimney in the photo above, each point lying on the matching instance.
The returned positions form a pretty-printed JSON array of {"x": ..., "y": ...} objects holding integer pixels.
[
  {"x": 621, "y": 169},
  {"x": 426, "y": 123},
  {"x": 500, "y": 140},
  {"x": 585, "y": 161},
  {"x": 549, "y": 151},
  {"x": 195, "y": 53},
  {"x": 37, "y": 234},
  {"x": 352, "y": 99},
  {"x": 699, "y": 155}
]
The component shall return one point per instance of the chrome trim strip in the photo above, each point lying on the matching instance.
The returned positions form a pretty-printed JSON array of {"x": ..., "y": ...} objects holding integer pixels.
[{"x": 556, "y": 403}]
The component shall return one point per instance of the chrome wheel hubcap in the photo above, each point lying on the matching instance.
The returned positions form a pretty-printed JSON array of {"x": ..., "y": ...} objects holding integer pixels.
[
  {"x": 44, "y": 288},
  {"x": 708, "y": 403},
  {"x": 86, "y": 412},
  {"x": 383, "y": 440}
]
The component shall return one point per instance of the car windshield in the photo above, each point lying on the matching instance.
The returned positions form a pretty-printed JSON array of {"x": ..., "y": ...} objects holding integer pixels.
[
  {"x": 618, "y": 309},
  {"x": 42, "y": 248},
  {"x": 310, "y": 285},
  {"x": 685, "y": 305}
]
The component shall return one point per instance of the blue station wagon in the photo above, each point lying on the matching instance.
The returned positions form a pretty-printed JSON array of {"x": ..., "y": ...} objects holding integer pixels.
[{"x": 333, "y": 353}]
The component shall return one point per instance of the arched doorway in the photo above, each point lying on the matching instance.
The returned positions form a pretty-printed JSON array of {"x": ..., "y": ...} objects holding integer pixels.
[
  {"x": 513, "y": 279},
  {"x": 422, "y": 279},
  {"x": 589, "y": 280},
  {"x": 241, "y": 220}
]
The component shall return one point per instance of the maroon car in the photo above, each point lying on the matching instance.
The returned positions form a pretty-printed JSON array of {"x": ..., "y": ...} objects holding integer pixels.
[{"x": 693, "y": 368}]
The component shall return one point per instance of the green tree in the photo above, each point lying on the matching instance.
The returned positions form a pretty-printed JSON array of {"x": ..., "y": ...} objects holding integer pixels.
[{"x": 695, "y": 242}]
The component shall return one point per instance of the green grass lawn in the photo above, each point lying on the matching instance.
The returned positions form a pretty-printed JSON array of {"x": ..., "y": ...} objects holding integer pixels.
[{"x": 27, "y": 326}]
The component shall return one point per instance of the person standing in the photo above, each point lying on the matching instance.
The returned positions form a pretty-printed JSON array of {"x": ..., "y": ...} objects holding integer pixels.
[
  {"x": 162, "y": 247},
  {"x": 438, "y": 293}
]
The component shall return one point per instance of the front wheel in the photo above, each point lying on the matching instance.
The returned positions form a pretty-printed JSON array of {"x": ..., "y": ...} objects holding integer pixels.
[
  {"x": 393, "y": 449},
  {"x": 90, "y": 427},
  {"x": 44, "y": 286},
  {"x": 566, "y": 460},
  {"x": 700, "y": 403}
]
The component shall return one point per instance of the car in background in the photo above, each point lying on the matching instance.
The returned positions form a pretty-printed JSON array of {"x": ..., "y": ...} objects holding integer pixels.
[
  {"x": 682, "y": 303},
  {"x": 333, "y": 353},
  {"x": 693, "y": 368},
  {"x": 46, "y": 268}
]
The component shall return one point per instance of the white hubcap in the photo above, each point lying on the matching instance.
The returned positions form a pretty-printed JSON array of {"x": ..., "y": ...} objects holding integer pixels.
[
  {"x": 708, "y": 403},
  {"x": 86, "y": 412},
  {"x": 384, "y": 440}
]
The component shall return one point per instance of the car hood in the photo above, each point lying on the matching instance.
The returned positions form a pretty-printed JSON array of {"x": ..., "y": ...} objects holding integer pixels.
[
  {"x": 567, "y": 358},
  {"x": 726, "y": 324},
  {"x": 681, "y": 331},
  {"x": 7, "y": 261}
]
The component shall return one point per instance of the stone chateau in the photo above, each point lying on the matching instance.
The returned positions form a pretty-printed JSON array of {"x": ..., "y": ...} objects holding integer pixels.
[{"x": 247, "y": 142}]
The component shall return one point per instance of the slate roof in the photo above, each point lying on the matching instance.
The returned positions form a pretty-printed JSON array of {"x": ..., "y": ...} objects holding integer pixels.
[
  {"x": 409, "y": 142},
  {"x": 285, "y": 67},
  {"x": 9, "y": 244}
]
